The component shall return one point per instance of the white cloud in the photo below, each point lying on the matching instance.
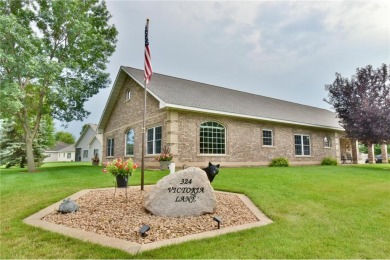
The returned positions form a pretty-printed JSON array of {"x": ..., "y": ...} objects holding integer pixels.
[{"x": 282, "y": 49}]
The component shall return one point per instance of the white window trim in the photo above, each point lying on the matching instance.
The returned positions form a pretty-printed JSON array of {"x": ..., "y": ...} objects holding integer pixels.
[
  {"x": 329, "y": 142},
  {"x": 112, "y": 150},
  {"x": 129, "y": 155},
  {"x": 302, "y": 145},
  {"x": 225, "y": 141},
  {"x": 153, "y": 141},
  {"x": 128, "y": 95},
  {"x": 262, "y": 138}
]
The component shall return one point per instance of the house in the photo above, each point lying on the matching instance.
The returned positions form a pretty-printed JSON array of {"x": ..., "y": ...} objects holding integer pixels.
[
  {"x": 89, "y": 144},
  {"x": 60, "y": 152},
  {"x": 67, "y": 154},
  {"x": 202, "y": 123}
]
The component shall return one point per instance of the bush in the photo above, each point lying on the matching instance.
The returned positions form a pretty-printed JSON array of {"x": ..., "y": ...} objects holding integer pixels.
[
  {"x": 279, "y": 162},
  {"x": 329, "y": 161}
]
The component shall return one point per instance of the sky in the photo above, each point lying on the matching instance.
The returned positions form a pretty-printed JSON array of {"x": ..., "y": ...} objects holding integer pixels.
[{"x": 287, "y": 50}]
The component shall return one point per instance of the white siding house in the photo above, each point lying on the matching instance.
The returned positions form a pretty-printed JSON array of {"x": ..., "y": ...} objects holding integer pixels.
[
  {"x": 67, "y": 154},
  {"x": 61, "y": 152},
  {"x": 89, "y": 144}
]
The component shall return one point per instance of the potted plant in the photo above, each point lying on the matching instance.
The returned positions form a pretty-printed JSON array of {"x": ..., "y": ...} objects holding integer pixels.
[
  {"x": 165, "y": 158},
  {"x": 95, "y": 160},
  {"x": 121, "y": 170}
]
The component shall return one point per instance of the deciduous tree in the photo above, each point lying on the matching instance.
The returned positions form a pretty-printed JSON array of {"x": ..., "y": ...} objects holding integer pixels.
[
  {"x": 65, "y": 137},
  {"x": 52, "y": 59},
  {"x": 363, "y": 104},
  {"x": 13, "y": 146}
]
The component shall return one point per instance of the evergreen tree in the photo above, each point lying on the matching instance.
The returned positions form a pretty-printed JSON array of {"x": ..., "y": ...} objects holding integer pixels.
[{"x": 12, "y": 145}]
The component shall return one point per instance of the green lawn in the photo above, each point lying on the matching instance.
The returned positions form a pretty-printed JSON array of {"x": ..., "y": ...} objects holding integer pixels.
[{"x": 318, "y": 212}]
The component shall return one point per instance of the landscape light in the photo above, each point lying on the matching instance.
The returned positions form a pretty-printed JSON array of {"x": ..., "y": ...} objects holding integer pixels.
[
  {"x": 218, "y": 220},
  {"x": 143, "y": 230}
]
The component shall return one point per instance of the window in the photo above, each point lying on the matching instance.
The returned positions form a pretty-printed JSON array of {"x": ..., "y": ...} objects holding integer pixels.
[
  {"x": 128, "y": 95},
  {"x": 68, "y": 155},
  {"x": 154, "y": 140},
  {"x": 212, "y": 138},
  {"x": 267, "y": 137},
  {"x": 130, "y": 142},
  {"x": 96, "y": 151},
  {"x": 327, "y": 142},
  {"x": 302, "y": 144},
  {"x": 85, "y": 154},
  {"x": 110, "y": 147}
]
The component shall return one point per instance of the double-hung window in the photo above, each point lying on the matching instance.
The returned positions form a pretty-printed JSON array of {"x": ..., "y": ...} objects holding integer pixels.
[
  {"x": 85, "y": 154},
  {"x": 212, "y": 138},
  {"x": 302, "y": 144},
  {"x": 110, "y": 147},
  {"x": 153, "y": 145},
  {"x": 267, "y": 137}
]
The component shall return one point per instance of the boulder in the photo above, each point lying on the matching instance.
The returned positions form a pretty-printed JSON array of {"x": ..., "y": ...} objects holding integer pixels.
[{"x": 183, "y": 193}]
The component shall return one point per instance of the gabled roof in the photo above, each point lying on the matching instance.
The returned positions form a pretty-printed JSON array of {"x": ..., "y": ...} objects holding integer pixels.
[
  {"x": 184, "y": 94},
  {"x": 58, "y": 146},
  {"x": 90, "y": 125},
  {"x": 69, "y": 148},
  {"x": 98, "y": 137}
]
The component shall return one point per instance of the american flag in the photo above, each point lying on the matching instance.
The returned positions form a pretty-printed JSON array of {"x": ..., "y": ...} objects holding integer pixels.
[{"x": 148, "y": 61}]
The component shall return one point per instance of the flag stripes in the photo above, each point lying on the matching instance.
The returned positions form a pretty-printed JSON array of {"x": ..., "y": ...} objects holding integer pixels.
[{"x": 148, "y": 61}]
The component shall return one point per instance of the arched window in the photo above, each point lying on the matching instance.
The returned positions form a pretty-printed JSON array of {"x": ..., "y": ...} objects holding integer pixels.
[
  {"x": 128, "y": 95},
  {"x": 130, "y": 142},
  {"x": 212, "y": 138}
]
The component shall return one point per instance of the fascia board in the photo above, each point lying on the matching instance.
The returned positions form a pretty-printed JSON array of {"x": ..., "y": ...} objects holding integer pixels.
[
  {"x": 143, "y": 86},
  {"x": 110, "y": 101},
  {"x": 179, "y": 107}
]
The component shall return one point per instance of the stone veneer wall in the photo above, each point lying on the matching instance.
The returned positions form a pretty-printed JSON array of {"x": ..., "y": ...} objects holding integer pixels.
[{"x": 181, "y": 129}]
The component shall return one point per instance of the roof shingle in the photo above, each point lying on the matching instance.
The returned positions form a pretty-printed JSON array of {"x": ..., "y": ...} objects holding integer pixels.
[{"x": 191, "y": 95}]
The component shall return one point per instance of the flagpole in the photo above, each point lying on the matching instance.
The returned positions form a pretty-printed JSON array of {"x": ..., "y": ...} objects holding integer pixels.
[
  {"x": 143, "y": 140},
  {"x": 147, "y": 76}
]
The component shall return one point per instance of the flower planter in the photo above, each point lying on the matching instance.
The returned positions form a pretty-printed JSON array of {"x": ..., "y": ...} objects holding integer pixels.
[
  {"x": 164, "y": 165},
  {"x": 121, "y": 182},
  {"x": 95, "y": 163}
]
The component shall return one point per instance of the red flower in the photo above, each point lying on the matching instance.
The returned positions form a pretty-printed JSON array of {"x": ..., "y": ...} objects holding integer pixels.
[{"x": 135, "y": 166}]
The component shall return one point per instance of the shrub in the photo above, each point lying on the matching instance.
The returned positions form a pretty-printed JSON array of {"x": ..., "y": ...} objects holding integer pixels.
[
  {"x": 329, "y": 161},
  {"x": 279, "y": 162}
]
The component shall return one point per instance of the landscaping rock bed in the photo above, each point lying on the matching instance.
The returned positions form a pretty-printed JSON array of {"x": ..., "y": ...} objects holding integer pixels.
[{"x": 102, "y": 213}]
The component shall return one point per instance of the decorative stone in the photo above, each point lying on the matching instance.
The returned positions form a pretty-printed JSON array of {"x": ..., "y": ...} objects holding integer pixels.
[
  {"x": 183, "y": 193},
  {"x": 68, "y": 206}
]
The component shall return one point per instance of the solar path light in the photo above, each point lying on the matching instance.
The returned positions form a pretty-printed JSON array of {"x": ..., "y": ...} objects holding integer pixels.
[
  {"x": 218, "y": 220},
  {"x": 143, "y": 230}
]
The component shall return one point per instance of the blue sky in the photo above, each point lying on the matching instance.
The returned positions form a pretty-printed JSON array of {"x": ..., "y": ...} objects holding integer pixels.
[{"x": 286, "y": 50}]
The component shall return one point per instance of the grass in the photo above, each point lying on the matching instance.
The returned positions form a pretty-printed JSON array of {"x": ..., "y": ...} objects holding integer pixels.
[{"x": 318, "y": 212}]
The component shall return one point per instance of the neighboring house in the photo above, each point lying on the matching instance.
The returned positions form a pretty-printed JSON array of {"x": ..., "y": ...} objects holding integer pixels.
[
  {"x": 89, "y": 144},
  {"x": 60, "y": 152},
  {"x": 202, "y": 123},
  {"x": 67, "y": 154}
]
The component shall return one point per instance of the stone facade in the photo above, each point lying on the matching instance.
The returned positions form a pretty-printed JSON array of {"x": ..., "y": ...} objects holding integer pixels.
[{"x": 181, "y": 131}]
